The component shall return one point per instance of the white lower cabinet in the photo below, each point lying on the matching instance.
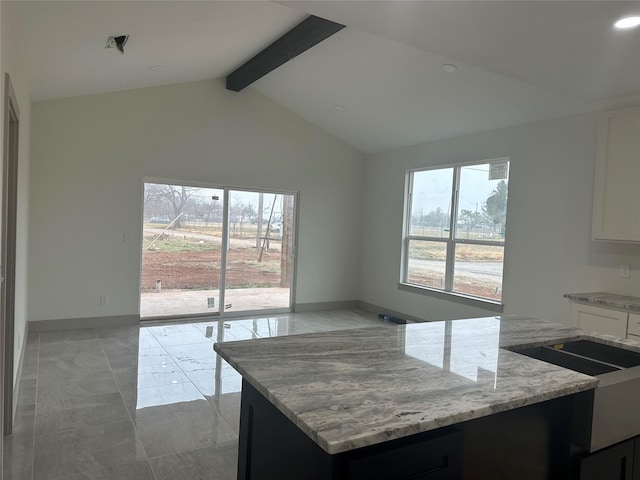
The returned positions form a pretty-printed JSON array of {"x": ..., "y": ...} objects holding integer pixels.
[
  {"x": 634, "y": 326},
  {"x": 602, "y": 320}
]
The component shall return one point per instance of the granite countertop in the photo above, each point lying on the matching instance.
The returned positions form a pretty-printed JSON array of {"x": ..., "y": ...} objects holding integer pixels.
[
  {"x": 604, "y": 299},
  {"x": 354, "y": 388}
]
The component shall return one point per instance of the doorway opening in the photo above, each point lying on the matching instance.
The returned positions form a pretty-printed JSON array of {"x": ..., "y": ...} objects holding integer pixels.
[{"x": 215, "y": 251}]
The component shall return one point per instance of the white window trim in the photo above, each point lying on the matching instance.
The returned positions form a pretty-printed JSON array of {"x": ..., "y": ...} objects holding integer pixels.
[{"x": 446, "y": 293}]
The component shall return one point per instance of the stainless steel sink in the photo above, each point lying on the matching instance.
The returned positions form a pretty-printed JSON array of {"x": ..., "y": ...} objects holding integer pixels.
[{"x": 615, "y": 415}]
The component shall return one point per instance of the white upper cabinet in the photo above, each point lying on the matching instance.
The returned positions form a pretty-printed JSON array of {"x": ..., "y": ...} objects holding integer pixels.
[{"x": 616, "y": 213}]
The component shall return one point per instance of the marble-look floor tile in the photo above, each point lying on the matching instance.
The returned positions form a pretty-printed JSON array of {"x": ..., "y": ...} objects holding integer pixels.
[
  {"x": 18, "y": 447},
  {"x": 91, "y": 449},
  {"x": 145, "y": 357},
  {"x": 116, "y": 347},
  {"x": 209, "y": 328},
  {"x": 81, "y": 412},
  {"x": 164, "y": 399},
  {"x": 151, "y": 376},
  {"x": 27, "y": 392},
  {"x": 18, "y": 456},
  {"x": 222, "y": 385},
  {"x": 200, "y": 368},
  {"x": 129, "y": 471},
  {"x": 51, "y": 391},
  {"x": 25, "y": 419},
  {"x": 235, "y": 332},
  {"x": 68, "y": 335},
  {"x": 196, "y": 351},
  {"x": 172, "y": 335},
  {"x": 209, "y": 463},
  {"x": 70, "y": 367},
  {"x": 184, "y": 430},
  {"x": 122, "y": 331},
  {"x": 29, "y": 370},
  {"x": 228, "y": 406},
  {"x": 69, "y": 347}
]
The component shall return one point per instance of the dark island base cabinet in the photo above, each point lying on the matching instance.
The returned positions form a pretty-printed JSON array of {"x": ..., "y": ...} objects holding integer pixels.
[
  {"x": 272, "y": 447},
  {"x": 529, "y": 443},
  {"x": 619, "y": 462}
]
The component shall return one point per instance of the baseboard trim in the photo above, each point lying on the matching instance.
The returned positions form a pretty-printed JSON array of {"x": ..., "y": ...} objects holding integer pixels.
[
  {"x": 320, "y": 306},
  {"x": 88, "y": 322},
  {"x": 370, "y": 307}
]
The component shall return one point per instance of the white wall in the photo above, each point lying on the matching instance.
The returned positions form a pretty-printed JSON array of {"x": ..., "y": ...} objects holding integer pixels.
[
  {"x": 11, "y": 61},
  {"x": 90, "y": 155},
  {"x": 548, "y": 251}
]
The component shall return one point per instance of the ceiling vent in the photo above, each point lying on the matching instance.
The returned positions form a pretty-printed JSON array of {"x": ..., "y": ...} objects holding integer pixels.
[{"x": 117, "y": 42}]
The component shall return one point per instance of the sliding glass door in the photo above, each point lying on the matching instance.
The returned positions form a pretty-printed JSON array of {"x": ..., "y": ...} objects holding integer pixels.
[{"x": 208, "y": 251}]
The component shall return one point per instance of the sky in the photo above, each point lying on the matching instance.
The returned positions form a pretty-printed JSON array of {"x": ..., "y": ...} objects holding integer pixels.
[{"x": 432, "y": 189}]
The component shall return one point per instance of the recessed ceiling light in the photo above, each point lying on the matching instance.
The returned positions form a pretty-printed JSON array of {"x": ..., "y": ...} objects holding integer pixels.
[
  {"x": 154, "y": 68},
  {"x": 339, "y": 108},
  {"x": 449, "y": 68},
  {"x": 627, "y": 22}
]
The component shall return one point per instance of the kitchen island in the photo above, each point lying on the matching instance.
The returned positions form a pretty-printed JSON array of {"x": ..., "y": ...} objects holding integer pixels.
[{"x": 425, "y": 400}]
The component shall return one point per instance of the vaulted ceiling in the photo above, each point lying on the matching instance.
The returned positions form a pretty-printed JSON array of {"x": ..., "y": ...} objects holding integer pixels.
[{"x": 377, "y": 84}]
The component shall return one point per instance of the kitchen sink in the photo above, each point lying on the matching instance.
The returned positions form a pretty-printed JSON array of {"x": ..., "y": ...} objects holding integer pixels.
[
  {"x": 585, "y": 356},
  {"x": 614, "y": 416}
]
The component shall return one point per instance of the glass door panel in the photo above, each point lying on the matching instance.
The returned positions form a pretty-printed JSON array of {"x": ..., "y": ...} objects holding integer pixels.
[
  {"x": 181, "y": 250},
  {"x": 259, "y": 257}
]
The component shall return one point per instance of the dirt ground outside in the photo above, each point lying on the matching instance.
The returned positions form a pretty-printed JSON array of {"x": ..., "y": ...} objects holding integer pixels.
[
  {"x": 200, "y": 270},
  {"x": 187, "y": 264}
]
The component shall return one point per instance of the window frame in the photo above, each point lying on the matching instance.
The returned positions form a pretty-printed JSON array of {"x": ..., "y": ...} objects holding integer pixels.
[{"x": 451, "y": 241}]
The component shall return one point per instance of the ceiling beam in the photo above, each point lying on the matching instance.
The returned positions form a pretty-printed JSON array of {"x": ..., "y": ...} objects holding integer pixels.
[{"x": 300, "y": 38}]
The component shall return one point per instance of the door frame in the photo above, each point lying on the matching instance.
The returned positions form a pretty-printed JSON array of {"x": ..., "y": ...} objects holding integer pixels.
[
  {"x": 11, "y": 138},
  {"x": 220, "y": 313}
]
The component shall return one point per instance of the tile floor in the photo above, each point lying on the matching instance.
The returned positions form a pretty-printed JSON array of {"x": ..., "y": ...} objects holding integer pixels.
[{"x": 147, "y": 403}]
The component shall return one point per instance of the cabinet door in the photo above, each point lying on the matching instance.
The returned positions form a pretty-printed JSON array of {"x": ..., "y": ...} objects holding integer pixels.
[
  {"x": 636, "y": 460},
  {"x": 601, "y": 320},
  {"x": 615, "y": 463},
  {"x": 437, "y": 458},
  {"x": 617, "y": 196},
  {"x": 634, "y": 326}
]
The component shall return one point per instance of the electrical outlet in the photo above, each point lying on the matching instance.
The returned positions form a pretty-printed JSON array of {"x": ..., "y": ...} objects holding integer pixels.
[
  {"x": 624, "y": 271},
  {"x": 126, "y": 237},
  {"x": 104, "y": 300}
]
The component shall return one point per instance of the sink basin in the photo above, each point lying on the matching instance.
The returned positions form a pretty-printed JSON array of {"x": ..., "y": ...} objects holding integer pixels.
[
  {"x": 585, "y": 356},
  {"x": 613, "y": 416}
]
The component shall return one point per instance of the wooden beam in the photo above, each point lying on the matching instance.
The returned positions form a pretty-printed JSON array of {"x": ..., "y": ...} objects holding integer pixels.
[{"x": 299, "y": 39}]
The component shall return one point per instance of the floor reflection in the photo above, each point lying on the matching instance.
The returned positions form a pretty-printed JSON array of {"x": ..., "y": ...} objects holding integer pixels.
[{"x": 148, "y": 402}]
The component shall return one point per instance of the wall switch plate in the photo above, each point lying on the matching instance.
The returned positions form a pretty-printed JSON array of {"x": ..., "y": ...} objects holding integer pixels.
[{"x": 624, "y": 271}]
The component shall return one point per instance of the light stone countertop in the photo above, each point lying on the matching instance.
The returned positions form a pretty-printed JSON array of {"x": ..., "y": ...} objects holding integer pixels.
[
  {"x": 353, "y": 388},
  {"x": 604, "y": 299}
]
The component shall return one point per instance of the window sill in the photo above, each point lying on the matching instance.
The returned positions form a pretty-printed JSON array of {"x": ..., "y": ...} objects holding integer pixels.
[{"x": 486, "y": 304}]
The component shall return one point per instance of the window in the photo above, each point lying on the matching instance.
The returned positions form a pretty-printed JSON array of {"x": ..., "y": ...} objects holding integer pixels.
[{"x": 455, "y": 229}]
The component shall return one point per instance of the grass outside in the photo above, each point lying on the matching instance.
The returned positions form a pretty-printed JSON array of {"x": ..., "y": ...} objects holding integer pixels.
[
  {"x": 424, "y": 250},
  {"x": 247, "y": 231}
]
